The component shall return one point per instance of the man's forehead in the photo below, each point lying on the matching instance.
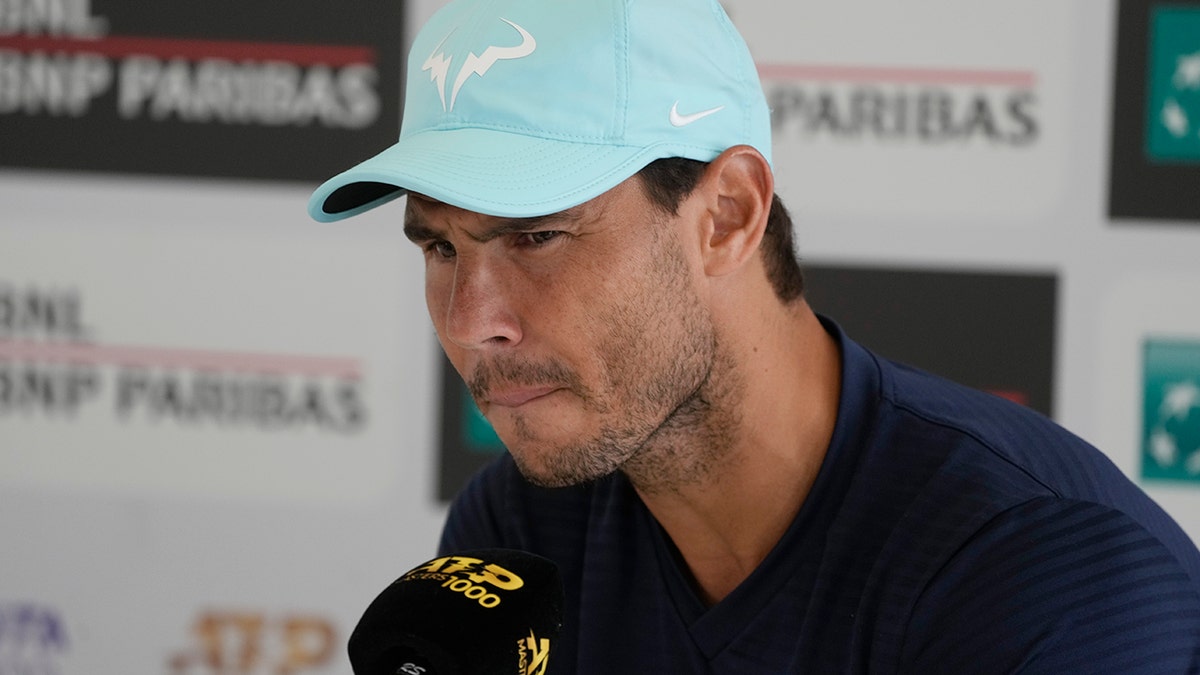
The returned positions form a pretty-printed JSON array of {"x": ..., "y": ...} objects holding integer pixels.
[
  {"x": 418, "y": 205},
  {"x": 420, "y": 209}
]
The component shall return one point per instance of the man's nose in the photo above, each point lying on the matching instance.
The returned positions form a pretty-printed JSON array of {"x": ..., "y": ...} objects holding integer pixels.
[{"x": 481, "y": 312}]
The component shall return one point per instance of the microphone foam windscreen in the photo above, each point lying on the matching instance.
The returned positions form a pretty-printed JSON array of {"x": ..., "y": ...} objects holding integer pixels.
[{"x": 471, "y": 613}]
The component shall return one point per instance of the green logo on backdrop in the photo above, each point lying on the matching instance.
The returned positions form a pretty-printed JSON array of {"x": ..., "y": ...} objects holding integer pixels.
[
  {"x": 1173, "y": 109},
  {"x": 477, "y": 431},
  {"x": 1171, "y": 410}
]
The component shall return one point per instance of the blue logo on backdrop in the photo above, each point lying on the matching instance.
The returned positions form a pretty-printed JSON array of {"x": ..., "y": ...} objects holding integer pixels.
[{"x": 33, "y": 639}]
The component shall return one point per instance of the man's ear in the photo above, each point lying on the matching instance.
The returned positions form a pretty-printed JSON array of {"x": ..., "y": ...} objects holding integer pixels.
[{"x": 738, "y": 187}]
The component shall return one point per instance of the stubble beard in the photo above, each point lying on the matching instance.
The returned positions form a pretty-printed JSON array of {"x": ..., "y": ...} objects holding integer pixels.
[
  {"x": 667, "y": 401},
  {"x": 669, "y": 432}
]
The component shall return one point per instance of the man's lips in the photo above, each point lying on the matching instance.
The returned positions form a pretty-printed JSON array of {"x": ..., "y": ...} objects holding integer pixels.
[{"x": 518, "y": 396}]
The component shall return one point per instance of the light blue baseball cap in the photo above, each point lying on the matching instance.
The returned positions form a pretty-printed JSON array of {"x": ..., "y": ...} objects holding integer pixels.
[{"x": 522, "y": 108}]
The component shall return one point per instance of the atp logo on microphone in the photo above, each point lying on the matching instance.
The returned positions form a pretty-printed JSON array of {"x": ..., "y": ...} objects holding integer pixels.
[
  {"x": 469, "y": 576},
  {"x": 534, "y": 655}
]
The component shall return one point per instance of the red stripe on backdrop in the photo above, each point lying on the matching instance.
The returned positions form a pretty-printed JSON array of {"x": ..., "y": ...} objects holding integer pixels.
[
  {"x": 160, "y": 357},
  {"x": 887, "y": 74},
  {"x": 1012, "y": 395},
  {"x": 194, "y": 49}
]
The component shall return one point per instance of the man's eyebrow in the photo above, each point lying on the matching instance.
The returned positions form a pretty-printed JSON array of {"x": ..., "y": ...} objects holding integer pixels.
[
  {"x": 504, "y": 226},
  {"x": 417, "y": 230}
]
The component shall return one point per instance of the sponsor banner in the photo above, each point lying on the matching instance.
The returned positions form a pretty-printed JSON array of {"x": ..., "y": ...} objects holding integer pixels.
[
  {"x": 991, "y": 331},
  {"x": 933, "y": 109},
  {"x": 276, "y": 89},
  {"x": 1156, "y": 125},
  {"x": 247, "y": 642},
  {"x": 193, "y": 369}
]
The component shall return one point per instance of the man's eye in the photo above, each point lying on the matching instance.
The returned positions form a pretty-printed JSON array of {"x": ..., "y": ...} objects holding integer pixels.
[
  {"x": 441, "y": 249},
  {"x": 538, "y": 238}
]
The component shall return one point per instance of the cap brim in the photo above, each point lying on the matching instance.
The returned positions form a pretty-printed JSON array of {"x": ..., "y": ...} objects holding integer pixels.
[{"x": 483, "y": 170}]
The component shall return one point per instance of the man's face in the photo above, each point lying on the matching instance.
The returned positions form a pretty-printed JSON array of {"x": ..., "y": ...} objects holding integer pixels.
[{"x": 580, "y": 334}]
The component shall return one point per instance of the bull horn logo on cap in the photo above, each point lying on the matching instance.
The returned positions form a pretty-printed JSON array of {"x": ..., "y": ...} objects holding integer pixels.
[{"x": 438, "y": 64}]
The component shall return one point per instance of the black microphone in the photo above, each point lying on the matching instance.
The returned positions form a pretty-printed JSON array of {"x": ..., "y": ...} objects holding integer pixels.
[{"x": 472, "y": 613}]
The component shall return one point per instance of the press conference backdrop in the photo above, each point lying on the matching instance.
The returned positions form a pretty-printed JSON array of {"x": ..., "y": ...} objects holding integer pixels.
[{"x": 224, "y": 428}]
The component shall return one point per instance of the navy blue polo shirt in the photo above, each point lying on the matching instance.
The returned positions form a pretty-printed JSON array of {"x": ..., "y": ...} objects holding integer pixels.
[{"x": 948, "y": 531}]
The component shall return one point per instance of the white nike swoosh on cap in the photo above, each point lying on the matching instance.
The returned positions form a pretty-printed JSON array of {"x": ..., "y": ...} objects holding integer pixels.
[{"x": 678, "y": 120}]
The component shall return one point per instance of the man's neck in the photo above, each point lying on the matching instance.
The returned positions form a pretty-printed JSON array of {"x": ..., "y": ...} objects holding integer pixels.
[{"x": 727, "y": 507}]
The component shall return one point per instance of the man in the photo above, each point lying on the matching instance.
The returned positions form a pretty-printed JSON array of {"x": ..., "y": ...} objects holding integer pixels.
[{"x": 728, "y": 483}]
